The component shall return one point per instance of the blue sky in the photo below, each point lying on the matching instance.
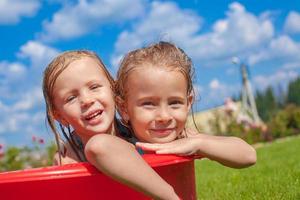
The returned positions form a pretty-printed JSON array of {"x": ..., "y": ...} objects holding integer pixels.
[{"x": 263, "y": 34}]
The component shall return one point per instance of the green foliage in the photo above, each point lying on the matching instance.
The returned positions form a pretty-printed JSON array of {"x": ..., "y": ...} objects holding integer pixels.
[
  {"x": 253, "y": 135},
  {"x": 51, "y": 150},
  {"x": 227, "y": 125},
  {"x": 266, "y": 104},
  {"x": 12, "y": 160},
  {"x": 27, "y": 157},
  {"x": 215, "y": 124},
  {"x": 293, "y": 94},
  {"x": 280, "y": 113},
  {"x": 286, "y": 122},
  {"x": 275, "y": 175}
]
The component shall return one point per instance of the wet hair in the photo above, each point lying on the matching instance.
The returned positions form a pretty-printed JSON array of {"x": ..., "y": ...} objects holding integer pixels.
[
  {"x": 51, "y": 73},
  {"x": 162, "y": 55}
]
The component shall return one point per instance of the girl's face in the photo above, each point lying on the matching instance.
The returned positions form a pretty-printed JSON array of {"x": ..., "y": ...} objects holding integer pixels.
[
  {"x": 84, "y": 98},
  {"x": 157, "y": 104}
]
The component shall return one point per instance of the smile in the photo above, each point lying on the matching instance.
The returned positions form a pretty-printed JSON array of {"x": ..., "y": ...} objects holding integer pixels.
[
  {"x": 162, "y": 132},
  {"x": 93, "y": 115}
]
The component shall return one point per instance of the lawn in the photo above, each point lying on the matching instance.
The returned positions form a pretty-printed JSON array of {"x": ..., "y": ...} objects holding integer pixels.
[{"x": 276, "y": 175}]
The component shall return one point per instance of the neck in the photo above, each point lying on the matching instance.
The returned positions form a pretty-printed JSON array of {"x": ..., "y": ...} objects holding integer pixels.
[{"x": 85, "y": 138}]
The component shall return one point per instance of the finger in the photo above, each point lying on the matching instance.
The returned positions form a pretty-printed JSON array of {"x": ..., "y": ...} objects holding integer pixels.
[
  {"x": 147, "y": 146},
  {"x": 164, "y": 151},
  {"x": 167, "y": 151},
  {"x": 175, "y": 150},
  {"x": 151, "y": 144},
  {"x": 143, "y": 144}
]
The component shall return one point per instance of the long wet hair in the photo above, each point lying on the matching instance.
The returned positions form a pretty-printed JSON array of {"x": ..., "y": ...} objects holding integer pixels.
[
  {"x": 51, "y": 73},
  {"x": 163, "y": 55}
]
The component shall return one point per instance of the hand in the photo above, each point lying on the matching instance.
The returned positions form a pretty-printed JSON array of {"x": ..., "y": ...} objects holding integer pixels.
[{"x": 183, "y": 147}]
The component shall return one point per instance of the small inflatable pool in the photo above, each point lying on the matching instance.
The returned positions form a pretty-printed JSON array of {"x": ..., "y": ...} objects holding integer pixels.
[{"x": 82, "y": 181}]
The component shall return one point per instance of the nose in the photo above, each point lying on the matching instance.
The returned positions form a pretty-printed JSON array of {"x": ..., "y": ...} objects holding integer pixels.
[
  {"x": 163, "y": 115},
  {"x": 86, "y": 99}
]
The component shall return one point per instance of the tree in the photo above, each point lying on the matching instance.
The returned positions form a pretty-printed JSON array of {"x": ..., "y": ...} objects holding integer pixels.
[
  {"x": 266, "y": 104},
  {"x": 293, "y": 94}
]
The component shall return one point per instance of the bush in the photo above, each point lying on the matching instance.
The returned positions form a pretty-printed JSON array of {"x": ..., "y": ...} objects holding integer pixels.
[
  {"x": 286, "y": 122},
  {"x": 227, "y": 125},
  {"x": 15, "y": 158}
]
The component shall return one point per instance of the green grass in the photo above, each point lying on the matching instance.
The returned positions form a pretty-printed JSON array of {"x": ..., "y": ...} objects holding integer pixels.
[{"x": 276, "y": 175}]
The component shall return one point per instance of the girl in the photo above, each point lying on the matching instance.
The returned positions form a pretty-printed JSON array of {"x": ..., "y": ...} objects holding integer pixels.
[
  {"x": 79, "y": 95},
  {"x": 154, "y": 95}
]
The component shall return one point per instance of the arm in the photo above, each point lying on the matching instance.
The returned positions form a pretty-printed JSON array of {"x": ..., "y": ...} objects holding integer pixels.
[
  {"x": 68, "y": 158},
  {"x": 119, "y": 160},
  {"x": 229, "y": 151}
]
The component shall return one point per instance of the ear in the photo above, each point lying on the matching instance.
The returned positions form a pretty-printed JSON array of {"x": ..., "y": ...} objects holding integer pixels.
[
  {"x": 57, "y": 116},
  {"x": 190, "y": 101},
  {"x": 122, "y": 108}
]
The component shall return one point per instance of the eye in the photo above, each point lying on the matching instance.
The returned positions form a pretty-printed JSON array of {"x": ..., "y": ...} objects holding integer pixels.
[
  {"x": 176, "y": 102},
  {"x": 147, "y": 104},
  {"x": 70, "y": 98},
  {"x": 95, "y": 86}
]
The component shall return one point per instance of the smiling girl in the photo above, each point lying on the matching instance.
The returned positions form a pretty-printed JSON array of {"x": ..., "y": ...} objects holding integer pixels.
[
  {"x": 79, "y": 95},
  {"x": 154, "y": 95}
]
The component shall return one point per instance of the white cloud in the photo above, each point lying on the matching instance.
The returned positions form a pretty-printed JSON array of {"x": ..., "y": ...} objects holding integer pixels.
[
  {"x": 11, "y": 71},
  {"x": 38, "y": 118},
  {"x": 216, "y": 92},
  {"x": 165, "y": 20},
  {"x": 291, "y": 65},
  {"x": 152, "y": 27},
  {"x": 22, "y": 103},
  {"x": 292, "y": 23},
  {"x": 281, "y": 77},
  {"x": 86, "y": 16},
  {"x": 13, "y": 122},
  {"x": 238, "y": 34},
  {"x": 25, "y": 114},
  {"x": 282, "y": 47},
  {"x": 39, "y": 56},
  {"x": 214, "y": 84},
  {"x": 16, "y": 78},
  {"x": 38, "y": 53},
  {"x": 29, "y": 100},
  {"x": 11, "y": 11}
]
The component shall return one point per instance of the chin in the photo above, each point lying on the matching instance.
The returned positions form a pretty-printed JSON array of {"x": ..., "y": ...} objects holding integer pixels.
[{"x": 100, "y": 130}]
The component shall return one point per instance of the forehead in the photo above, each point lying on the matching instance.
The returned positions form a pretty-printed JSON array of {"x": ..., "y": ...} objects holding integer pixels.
[
  {"x": 147, "y": 79},
  {"x": 80, "y": 70},
  {"x": 84, "y": 66},
  {"x": 152, "y": 72}
]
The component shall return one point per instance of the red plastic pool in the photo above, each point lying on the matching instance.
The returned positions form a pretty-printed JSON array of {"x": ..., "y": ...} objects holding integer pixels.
[{"x": 83, "y": 181}]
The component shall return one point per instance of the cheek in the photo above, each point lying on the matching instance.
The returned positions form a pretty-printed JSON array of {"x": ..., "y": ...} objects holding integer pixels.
[
  {"x": 69, "y": 111},
  {"x": 181, "y": 116},
  {"x": 107, "y": 99},
  {"x": 139, "y": 118}
]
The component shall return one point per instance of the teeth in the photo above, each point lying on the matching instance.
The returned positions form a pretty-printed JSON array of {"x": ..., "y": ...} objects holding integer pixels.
[{"x": 93, "y": 115}]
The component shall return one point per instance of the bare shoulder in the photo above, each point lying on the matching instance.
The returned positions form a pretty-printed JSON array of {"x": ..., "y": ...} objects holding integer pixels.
[
  {"x": 190, "y": 132},
  {"x": 68, "y": 156}
]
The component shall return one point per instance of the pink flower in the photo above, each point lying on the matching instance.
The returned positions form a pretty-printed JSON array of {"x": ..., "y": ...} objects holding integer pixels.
[
  {"x": 41, "y": 141},
  {"x": 34, "y": 138},
  {"x": 1, "y": 150}
]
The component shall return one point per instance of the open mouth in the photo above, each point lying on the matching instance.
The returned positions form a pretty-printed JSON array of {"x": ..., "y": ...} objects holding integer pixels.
[{"x": 93, "y": 115}]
